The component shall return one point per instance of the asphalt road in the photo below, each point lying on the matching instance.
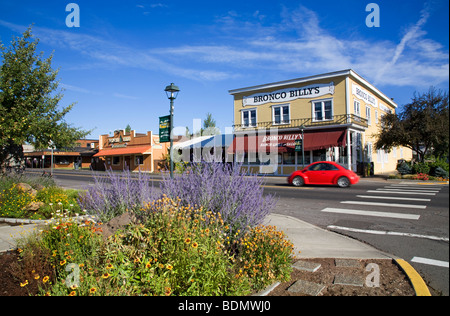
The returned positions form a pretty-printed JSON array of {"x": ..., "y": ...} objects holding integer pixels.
[{"x": 408, "y": 220}]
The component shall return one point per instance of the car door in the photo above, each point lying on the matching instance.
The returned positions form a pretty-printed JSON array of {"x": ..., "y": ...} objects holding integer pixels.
[
  {"x": 314, "y": 173},
  {"x": 329, "y": 173}
]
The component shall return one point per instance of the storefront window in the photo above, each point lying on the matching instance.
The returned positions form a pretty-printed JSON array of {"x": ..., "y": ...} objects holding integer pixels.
[
  {"x": 319, "y": 155},
  {"x": 139, "y": 160},
  {"x": 289, "y": 158},
  {"x": 116, "y": 160}
]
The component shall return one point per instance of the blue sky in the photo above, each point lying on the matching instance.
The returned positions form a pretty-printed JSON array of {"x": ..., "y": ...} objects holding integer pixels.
[{"x": 118, "y": 62}]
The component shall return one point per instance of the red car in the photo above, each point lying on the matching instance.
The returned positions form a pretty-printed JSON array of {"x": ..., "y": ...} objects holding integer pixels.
[{"x": 324, "y": 172}]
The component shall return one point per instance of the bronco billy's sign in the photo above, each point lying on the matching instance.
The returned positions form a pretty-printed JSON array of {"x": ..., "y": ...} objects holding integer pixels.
[{"x": 289, "y": 94}]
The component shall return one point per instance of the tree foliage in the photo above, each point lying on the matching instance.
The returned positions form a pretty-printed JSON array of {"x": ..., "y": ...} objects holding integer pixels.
[
  {"x": 422, "y": 126},
  {"x": 30, "y": 101}
]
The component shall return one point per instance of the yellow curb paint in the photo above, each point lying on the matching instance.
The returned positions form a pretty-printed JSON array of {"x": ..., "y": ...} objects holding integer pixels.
[{"x": 418, "y": 283}]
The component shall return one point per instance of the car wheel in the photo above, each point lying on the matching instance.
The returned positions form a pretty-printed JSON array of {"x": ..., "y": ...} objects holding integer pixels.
[
  {"x": 343, "y": 182},
  {"x": 298, "y": 181}
]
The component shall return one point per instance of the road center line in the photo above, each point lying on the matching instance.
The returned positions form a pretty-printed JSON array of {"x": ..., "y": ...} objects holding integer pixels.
[
  {"x": 392, "y": 198},
  {"x": 432, "y": 262},
  {"x": 388, "y": 233},
  {"x": 385, "y": 204},
  {"x": 371, "y": 213}
]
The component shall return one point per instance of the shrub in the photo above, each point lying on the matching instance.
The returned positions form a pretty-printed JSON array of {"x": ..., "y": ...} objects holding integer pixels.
[
  {"x": 224, "y": 189},
  {"x": 13, "y": 201},
  {"x": 56, "y": 198},
  {"x": 439, "y": 172},
  {"x": 404, "y": 168},
  {"x": 421, "y": 167},
  {"x": 178, "y": 250},
  {"x": 421, "y": 176},
  {"x": 48, "y": 254},
  {"x": 265, "y": 256},
  {"x": 116, "y": 193}
]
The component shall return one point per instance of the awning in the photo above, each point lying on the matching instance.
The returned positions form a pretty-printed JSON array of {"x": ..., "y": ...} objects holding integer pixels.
[
  {"x": 286, "y": 142},
  {"x": 211, "y": 141},
  {"x": 324, "y": 140},
  {"x": 124, "y": 151}
]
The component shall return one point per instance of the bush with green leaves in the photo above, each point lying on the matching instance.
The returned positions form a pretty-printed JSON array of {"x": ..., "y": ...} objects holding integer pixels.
[
  {"x": 404, "y": 168},
  {"x": 421, "y": 167}
]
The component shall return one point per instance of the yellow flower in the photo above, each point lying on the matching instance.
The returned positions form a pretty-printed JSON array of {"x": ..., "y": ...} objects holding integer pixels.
[
  {"x": 45, "y": 279},
  {"x": 61, "y": 263},
  {"x": 36, "y": 277},
  {"x": 73, "y": 293},
  {"x": 168, "y": 291},
  {"x": 194, "y": 245},
  {"x": 169, "y": 267},
  {"x": 187, "y": 240},
  {"x": 105, "y": 275},
  {"x": 148, "y": 265},
  {"x": 109, "y": 266},
  {"x": 24, "y": 283},
  {"x": 92, "y": 290}
]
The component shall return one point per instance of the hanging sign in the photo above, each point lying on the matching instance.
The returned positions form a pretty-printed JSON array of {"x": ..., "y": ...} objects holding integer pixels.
[
  {"x": 164, "y": 129},
  {"x": 289, "y": 94}
]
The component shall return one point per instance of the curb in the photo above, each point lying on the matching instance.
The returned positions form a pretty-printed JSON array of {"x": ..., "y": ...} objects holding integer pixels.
[
  {"x": 416, "y": 280},
  {"x": 40, "y": 221}
]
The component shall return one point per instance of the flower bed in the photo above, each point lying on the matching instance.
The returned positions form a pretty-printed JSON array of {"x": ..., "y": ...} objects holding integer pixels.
[
  {"x": 175, "y": 250},
  {"x": 208, "y": 240}
]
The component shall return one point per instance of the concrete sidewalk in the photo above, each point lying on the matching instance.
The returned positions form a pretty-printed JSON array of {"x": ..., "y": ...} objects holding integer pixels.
[
  {"x": 10, "y": 234},
  {"x": 315, "y": 242}
]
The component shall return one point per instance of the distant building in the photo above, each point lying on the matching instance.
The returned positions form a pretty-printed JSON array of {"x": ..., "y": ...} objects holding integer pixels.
[
  {"x": 80, "y": 156},
  {"x": 134, "y": 151}
]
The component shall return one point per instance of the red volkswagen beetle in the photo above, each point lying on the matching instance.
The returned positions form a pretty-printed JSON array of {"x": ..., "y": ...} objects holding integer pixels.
[{"x": 324, "y": 172}]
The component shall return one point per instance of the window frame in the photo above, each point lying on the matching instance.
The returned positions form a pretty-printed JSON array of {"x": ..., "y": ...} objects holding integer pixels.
[
  {"x": 120, "y": 160},
  {"x": 369, "y": 115},
  {"x": 323, "y": 110},
  {"x": 357, "y": 108},
  {"x": 250, "y": 124},
  {"x": 282, "y": 114}
]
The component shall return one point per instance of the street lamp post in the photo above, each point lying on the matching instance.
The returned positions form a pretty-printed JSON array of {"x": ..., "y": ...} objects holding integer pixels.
[
  {"x": 303, "y": 147},
  {"x": 172, "y": 93},
  {"x": 52, "y": 146}
]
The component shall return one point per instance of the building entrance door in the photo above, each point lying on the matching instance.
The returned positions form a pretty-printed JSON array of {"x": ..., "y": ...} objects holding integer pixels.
[{"x": 127, "y": 165}]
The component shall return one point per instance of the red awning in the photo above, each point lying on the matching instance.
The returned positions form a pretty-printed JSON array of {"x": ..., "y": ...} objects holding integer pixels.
[
  {"x": 124, "y": 151},
  {"x": 286, "y": 142},
  {"x": 324, "y": 140}
]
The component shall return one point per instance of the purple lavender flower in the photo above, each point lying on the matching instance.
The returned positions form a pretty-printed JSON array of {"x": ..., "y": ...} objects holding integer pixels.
[{"x": 223, "y": 188}]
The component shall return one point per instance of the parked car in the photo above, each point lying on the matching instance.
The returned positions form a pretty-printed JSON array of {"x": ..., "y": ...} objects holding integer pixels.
[{"x": 324, "y": 172}]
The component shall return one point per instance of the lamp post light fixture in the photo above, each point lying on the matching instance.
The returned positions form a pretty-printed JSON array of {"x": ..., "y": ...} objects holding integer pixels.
[
  {"x": 303, "y": 146},
  {"x": 172, "y": 93}
]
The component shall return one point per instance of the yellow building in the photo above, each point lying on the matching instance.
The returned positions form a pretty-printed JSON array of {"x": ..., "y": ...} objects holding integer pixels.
[{"x": 334, "y": 116}]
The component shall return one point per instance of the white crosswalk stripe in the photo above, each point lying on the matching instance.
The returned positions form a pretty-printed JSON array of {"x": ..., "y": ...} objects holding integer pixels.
[
  {"x": 392, "y": 198},
  {"x": 385, "y": 204},
  {"x": 371, "y": 213},
  {"x": 432, "y": 262}
]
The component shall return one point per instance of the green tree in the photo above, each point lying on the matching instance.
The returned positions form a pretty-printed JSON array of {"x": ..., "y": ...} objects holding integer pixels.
[
  {"x": 29, "y": 101},
  {"x": 128, "y": 129},
  {"x": 422, "y": 126},
  {"x": 209, "y": 126}
]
